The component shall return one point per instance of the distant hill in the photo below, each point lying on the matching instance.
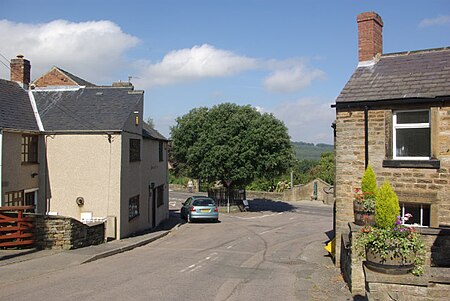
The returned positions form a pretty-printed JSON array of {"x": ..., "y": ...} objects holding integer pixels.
[{"x": 309, "y": 151}]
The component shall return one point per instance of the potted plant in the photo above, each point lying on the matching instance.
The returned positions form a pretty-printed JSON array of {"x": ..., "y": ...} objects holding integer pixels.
[
  {"x": 390, "y": 247},
  {"x": 364, "y": 200}
]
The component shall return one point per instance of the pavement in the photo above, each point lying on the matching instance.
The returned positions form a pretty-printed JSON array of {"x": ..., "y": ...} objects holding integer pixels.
[{"x": 38, "y": 262}]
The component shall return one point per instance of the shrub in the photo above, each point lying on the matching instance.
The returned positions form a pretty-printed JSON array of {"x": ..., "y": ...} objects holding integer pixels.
[
  {"x": 369, "y": 181},
  {"x": 386, "y": 206}
]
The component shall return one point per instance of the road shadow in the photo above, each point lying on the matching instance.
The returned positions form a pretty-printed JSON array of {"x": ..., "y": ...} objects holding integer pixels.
[
  {"x": 12, "y": 253},
  {"x": 258, "y": 205}
]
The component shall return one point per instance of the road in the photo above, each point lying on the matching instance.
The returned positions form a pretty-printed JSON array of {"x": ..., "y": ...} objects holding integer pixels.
[{"x": 274, "y": 252}]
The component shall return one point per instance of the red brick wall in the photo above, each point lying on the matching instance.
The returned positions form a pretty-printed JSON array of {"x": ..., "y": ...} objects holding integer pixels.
[
  {"x": 370, "y": 38},
  {"x": 54, "y": 78}
]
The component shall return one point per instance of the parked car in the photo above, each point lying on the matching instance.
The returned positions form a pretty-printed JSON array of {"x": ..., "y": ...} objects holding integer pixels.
[{"x": 199, "y": 208}]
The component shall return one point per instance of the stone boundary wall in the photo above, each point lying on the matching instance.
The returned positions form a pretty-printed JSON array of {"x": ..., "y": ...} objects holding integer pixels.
[
  {"x": 65, "y": 233},
  {"x": 264, "y": 195},
  {"x": 325, "y": 193},
  {"x": 377, "y": 286}
]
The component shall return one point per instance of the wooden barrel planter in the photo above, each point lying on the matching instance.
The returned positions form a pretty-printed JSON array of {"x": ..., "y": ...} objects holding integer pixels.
[
  {"x": 394, "y": 265},
  {"x": 363, "y": 217}
]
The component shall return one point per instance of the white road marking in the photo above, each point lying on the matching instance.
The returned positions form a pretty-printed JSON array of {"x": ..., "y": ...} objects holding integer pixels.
[
  {"x": 264, "y": 232},
  {"x": 196, "y": 266},
  {"x": 255, "y": 217}
]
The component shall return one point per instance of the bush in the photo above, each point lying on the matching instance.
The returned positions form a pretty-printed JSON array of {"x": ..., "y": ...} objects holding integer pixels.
[
  {"x": 386, "y": 206},
  {"x": 369, "y": 181},
  {"x": 173, "y": 179}
]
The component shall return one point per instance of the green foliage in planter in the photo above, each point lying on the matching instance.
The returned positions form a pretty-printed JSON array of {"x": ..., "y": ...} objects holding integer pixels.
[
  {"x": 403, "y": 241},
  {"x": 387, "y": 207},
  {"x": 369, "y": 181}
]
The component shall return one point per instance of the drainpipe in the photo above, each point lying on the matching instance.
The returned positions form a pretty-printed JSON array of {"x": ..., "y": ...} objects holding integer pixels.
[
  {"x": 366, "y": 136},
  {"x": 1, "y": 166}
]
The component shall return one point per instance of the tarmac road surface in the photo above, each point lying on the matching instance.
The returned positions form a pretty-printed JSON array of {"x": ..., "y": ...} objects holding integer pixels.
[{"x": 275, "y": 252}]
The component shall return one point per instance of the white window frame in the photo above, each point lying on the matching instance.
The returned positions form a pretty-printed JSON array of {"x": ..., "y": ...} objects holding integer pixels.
[
  {"x": 402, "y": 205},
  {"x": 35, "y": 190},
  {"x": 407, "y": 126}
]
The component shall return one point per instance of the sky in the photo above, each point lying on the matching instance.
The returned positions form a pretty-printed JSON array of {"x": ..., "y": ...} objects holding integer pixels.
[{"x": 288, "y": 58}]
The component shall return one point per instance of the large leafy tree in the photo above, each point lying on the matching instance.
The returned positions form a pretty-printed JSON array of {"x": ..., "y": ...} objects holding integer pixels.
[{"x": 230, "y": 142}]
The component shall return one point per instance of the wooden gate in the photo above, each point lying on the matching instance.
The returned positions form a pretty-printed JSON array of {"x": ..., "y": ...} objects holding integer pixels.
[{"x": 16, "y": 229}]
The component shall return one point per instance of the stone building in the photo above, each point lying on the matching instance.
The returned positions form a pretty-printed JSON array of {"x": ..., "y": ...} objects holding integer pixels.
[{"x": 394, "y": 114}]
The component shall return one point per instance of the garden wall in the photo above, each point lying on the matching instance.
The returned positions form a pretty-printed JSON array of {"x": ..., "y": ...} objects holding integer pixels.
[
  {"x": 433, "y": 285},
  {"x": 65, "y": 233}
]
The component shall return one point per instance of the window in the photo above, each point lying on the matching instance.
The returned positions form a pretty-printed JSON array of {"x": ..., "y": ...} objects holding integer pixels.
[
  {"x": 135, "y": 150},
  {"x": 161, "y": 151},
  {"x": 420, "y": 214},
  {"x": 160, "y": 196},
  {"x": 29, "y": 148},
  {"x": 133, "y": 207},
  {"x": 13, "y": 198},
  {"x": 411, "y": 135},
  {"x": 20, "y": 198}
]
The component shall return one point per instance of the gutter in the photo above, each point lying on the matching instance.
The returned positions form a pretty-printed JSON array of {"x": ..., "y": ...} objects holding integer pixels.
[
  {"x": 391, "y": 102},
  {"x": 366, "y": 136},
  {"x": 1, "y": 167}
]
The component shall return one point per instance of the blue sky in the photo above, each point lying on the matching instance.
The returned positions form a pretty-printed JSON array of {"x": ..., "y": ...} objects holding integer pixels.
[{"x": 289, "y": 58}]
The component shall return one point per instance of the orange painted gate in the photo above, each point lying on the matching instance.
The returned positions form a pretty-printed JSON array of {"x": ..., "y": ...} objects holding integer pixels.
[{"x": 16, "y": 229}]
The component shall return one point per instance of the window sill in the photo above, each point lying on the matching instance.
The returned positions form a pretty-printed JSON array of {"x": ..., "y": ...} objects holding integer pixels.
[
  {"x": 30, "y": 163},
  {"x": 430, "y": 164}
]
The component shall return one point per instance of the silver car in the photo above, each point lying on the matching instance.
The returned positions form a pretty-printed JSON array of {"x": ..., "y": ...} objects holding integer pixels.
[{"x": 199, "y": 208}]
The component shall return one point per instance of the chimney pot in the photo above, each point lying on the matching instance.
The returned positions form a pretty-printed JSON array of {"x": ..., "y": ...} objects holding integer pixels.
[
  {"x": 21, "y": 71},
  {"x": 370, "y": 36}
]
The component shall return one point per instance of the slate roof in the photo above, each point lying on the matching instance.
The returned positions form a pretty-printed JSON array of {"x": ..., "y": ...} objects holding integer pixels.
[
  {"x": 87, "y": 109},
  {"x": 416, "y": 74},
  {"x": 78, "y": 80},
  {"x": 15, "y": 108},
  {"x": 149, "y": 132}
]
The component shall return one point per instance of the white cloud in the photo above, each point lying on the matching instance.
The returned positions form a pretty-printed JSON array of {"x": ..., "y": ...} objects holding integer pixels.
[
  {"x": 92, "y": 50},
  {"x": 292, "y": 76},
  {"x": 441, "y": 20},
  {"x": 194, "y": 63},
  {"x": 308, "y": 119},
  {"x": 96, "y": 50}
]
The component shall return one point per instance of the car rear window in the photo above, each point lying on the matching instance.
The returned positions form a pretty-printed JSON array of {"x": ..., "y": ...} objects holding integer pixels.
[{"x": 203, "y": 202}]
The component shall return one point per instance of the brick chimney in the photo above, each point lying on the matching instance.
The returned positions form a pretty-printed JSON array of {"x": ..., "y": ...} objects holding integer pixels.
[
  {"x": 370, "y": 36},
  {"x": 21, "y": 71}
]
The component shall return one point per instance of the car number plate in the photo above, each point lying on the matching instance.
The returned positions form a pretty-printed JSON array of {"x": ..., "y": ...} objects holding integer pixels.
[{"x": 204, "y": 210}]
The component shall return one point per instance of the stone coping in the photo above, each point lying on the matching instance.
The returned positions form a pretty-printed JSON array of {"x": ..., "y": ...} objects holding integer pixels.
[
  {"x": 443, "y": 230},
  {"x": 433, "y": 274},
  {"x": 406, "y": 279},
  {"x": 440, "y": 275}
]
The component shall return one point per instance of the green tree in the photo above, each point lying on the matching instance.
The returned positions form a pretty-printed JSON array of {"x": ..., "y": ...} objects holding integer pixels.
[
  {"x": 230, "y": 142},
  {"x": 386, "y": 206},
  {"x": 369, "y": 181},
  {"x": 325, "y": 168},
  {"x": 150, "y": 122}
]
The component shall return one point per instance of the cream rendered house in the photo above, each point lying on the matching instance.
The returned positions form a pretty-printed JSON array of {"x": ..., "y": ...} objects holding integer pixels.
[
  {"x": 76, "y": 149},
  {"x": 103, "y": 162},
  {"x": 20, "y": 144}
]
